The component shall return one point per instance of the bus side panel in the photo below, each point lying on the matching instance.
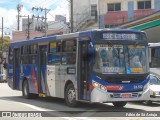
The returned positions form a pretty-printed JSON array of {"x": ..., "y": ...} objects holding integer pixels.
[
  {"x": 17, "y": 77},
  {"x": 34, "y": 80},
  {"x": 57, "y": 76},
  {"x": 43, "y": 87},
  {"x": 10, "y": 76},
  {"x": 30, "y": 72},
  {"x": 67, "y": 72}
]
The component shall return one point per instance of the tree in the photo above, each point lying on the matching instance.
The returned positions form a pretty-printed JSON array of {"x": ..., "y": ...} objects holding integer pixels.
[{"x": 3, "y": 47}]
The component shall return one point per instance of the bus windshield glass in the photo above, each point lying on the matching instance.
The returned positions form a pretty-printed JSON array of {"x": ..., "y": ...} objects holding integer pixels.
[{"x": 120, "y": 59}]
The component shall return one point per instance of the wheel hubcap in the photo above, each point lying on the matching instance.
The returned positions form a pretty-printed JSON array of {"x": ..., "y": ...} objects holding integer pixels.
[{"x": 71, "y": 95}]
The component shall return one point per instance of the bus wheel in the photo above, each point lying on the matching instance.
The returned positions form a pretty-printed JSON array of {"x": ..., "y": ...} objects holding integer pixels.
[
  {"x": 25, "y": 90},
  {"x": 70, "y": 96},
  {"x": 147, "y": 102},
  {"x": 119, "y": 104}
]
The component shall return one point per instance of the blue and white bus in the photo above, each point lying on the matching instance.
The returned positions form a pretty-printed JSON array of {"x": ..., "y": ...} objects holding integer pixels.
[
  {"x": 154, "y": 58},
  {"x": 109, "y": 65}
]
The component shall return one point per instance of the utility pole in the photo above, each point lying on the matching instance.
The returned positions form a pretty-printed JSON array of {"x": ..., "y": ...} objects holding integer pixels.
[
  {"x": 29, "y": 23},
  {"x": 71, "y": 19},
  {"x": 43, "y": 18},
  {"x": 28, "y": 27},
  {"x": 1, "y": 50},
  {"x": 2, "y": 31},
  {"x": 19, "y": 7}
]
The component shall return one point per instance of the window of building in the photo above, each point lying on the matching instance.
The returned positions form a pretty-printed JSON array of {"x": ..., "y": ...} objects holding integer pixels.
[
  {"x": 144, "y": 4},
  {"x": 114, "y": 7},
  {"x": 93, "y": 10}
]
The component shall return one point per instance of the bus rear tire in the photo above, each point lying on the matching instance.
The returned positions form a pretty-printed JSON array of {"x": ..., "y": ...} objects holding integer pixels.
[
  {"x": 25, "y": 91},
  {"x": 119, "y": 104},
  {"x": 70, "y": 96}
]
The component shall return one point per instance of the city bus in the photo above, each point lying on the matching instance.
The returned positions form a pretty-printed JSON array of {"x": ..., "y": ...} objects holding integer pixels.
[
  {"x": 96, "y": 66},
  {"x": 154, "y": 58}
]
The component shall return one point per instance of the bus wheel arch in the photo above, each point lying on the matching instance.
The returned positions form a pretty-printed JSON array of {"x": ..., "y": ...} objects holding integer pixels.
[{"x": 70, "y": 94}]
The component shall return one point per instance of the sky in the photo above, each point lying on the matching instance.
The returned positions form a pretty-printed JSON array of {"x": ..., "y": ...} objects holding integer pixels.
[{"x": 8, "y": 10}]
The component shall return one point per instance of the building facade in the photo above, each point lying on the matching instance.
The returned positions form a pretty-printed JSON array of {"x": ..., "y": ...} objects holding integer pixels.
[
  {"x": 111, "y": 13},
  {"x": 60, "y": 18}
]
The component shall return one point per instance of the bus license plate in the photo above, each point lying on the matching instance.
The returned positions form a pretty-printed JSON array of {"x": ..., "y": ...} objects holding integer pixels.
[{"x": 126, "y": 95}]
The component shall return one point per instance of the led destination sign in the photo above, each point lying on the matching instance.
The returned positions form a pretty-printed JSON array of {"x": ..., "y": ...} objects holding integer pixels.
[
  {"x": 119, "y": 36},
  {"x": 101, "y": 35}
]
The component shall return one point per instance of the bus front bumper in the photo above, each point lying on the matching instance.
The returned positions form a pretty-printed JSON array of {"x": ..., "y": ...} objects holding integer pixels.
[{"x": 104, "y": 96}]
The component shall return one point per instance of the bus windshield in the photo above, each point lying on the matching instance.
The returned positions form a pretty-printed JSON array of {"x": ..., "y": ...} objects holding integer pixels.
[{"x": 120, "y": 59}]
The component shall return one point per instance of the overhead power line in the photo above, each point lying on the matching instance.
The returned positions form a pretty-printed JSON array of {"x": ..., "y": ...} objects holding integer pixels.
[{"x": 43, "y": 18}]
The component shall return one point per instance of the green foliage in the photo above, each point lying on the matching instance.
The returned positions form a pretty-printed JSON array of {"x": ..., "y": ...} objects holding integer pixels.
[{"x": 4, "y": 45}]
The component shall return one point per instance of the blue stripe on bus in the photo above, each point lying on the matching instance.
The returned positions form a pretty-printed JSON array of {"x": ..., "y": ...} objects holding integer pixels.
[
  {"x": 38, "y": 40},
  {"x": 126, "y": 87}
]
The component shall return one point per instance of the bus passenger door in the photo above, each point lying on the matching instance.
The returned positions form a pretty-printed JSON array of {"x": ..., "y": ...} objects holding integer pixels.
[
  {"x": 16, "y": 68},
  {"x": 42, "y": 69},
  {"x": 83, "y": 70}
]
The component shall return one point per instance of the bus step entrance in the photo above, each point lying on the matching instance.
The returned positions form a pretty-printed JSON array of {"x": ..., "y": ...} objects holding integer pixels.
[{"x": 42, "y": 95}]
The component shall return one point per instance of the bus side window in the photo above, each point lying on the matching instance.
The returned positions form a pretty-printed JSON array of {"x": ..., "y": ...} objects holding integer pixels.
[
  {"x": 54, "y": 55},
  {"x": 59, "y": 44},
  {"x": 69, "y": 46},
  {"x": 10, "y": 55},
  {"x": 69, "y": 52}
]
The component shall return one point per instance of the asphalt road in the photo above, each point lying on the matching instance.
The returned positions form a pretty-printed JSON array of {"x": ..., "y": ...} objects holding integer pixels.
[{"x": 11, "y": 101}]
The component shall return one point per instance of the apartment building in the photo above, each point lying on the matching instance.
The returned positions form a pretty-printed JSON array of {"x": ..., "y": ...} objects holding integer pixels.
[{"x": 110, "y": 13}]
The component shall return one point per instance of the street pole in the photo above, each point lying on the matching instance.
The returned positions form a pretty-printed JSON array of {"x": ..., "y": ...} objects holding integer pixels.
[
  {"x": 2, "y": 31},
  {"x": 45, "y": 22},
  {"x": 1, "y": 52},
  {"x": 71, "y": 4},
  {"x": 28, "y": 29},
  {"x": 19, "y": 7},
  {"x": 28, "y": 26}
]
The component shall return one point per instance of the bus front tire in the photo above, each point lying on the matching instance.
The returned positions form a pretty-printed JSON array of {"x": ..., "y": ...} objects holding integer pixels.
[
  {"x": 147, "y": 102},
  {"x": 70, "y": 96},
  {"x": 119, "y": 104}
]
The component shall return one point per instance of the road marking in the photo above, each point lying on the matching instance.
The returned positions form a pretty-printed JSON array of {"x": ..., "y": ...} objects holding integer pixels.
[{"x": 35, "y": 107}]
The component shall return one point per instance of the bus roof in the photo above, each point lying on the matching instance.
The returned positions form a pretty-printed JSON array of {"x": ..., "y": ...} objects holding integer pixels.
[{"x": 69, "y": 35}]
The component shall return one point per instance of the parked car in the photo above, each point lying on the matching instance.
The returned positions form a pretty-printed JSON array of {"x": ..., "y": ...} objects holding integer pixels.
[{"x": 154, "y": 86}]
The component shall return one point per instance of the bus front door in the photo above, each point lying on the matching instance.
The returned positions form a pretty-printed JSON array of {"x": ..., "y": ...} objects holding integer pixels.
[
  {"x": 83, "y": 71},
  {"x": 42, "y": 69},
  {"x": 16, "y": 68}
]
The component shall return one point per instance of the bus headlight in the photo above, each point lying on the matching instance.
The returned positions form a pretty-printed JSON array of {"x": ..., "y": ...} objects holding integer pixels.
[
  {"x": 97, "y": 85},
  {"x": 102, "y": 87}
]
